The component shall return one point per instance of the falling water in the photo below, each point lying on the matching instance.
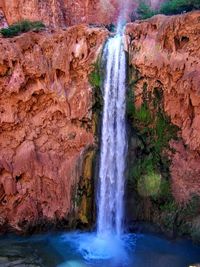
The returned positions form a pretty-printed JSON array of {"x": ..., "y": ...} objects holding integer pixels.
[
  {"x": 113, "y": 141},
  {"x": 110, "y": 242}
]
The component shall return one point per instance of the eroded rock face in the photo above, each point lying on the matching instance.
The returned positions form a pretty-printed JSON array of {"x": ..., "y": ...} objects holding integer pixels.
[
  {"x": 63, "y": 13},
  {"x": 46, "y": 123},
  {"x": 166, "y": 52}
]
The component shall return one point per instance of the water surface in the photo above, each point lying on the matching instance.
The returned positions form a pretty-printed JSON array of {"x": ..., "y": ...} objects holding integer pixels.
[{"x": 87, "y": 250}]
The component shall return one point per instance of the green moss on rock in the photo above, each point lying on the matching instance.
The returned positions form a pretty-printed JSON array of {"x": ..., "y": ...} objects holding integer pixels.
[
  {"x": 21, "y": 27},
  {"x": 149, "y": 179},
  {"x": 95, "y": 77},
  {"x": 154, "y": 130}
]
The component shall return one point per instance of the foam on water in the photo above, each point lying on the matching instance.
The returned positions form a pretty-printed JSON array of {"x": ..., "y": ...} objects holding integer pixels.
[
  {"x": 72, "y": 264},
  {"x": 93, "y": 248}
]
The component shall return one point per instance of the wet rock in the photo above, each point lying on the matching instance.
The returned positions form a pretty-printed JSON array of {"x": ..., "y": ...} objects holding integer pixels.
[
  {"x": 165, "y": 52},
  {"x": 18, "y": 256}
]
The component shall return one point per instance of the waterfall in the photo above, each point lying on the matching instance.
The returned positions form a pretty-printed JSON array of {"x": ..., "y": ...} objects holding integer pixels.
[
  {"x": 113, "y": 141},
  {"x": 110, "y": 241}
]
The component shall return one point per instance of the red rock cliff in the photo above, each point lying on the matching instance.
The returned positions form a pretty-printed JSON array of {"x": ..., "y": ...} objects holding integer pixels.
[
  {"x": 166, "y": 51},
  {"x": 63, "y": 13},
  {"x": 46, "y": 128}
]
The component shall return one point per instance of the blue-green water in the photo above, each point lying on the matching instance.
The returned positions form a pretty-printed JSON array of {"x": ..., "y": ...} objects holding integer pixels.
[{"x": 86, "y": 250}]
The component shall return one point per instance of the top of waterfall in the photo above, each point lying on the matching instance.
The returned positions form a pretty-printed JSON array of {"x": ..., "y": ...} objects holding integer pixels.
[{"x": 121, "y": 23}]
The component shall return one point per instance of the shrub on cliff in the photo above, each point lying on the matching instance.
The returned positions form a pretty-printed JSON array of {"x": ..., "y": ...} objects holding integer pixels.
[
  {"x": 170, "y": 7},
  {"x": 144, "y": 11},
  {"x": 21, "y": 27}
]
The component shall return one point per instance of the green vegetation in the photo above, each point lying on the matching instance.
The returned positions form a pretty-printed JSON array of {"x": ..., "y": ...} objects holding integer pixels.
[
  {"x": 95, "y": 75},
  {"x": 150, "y": 172},
  {"x": 130, "y": 108},
  {"x": 170, "y": 7},
  {"x": 144, "y": 11},
  {"x": 95, "y": 79},
  {"x": 21, "y": 27},
  {"x": 143, "y": 114},
  {"x": 149, "y": 184},
  {"x": 179, "y": 6},
  {"x": 152, "y": 126}
]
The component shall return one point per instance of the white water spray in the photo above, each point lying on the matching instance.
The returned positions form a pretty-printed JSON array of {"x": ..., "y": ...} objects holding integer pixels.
[{"x": 113, "y": 141}]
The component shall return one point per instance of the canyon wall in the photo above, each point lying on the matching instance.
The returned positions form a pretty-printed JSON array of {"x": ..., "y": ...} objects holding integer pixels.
[
  {"x": 164, "y": 58},
  {"x": 47, "y": 127},
  {"x": 62, "y": 13}
]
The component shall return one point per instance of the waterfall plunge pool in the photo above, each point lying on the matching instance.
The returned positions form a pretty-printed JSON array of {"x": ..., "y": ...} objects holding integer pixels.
[{"x": 87, "y": 250}]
